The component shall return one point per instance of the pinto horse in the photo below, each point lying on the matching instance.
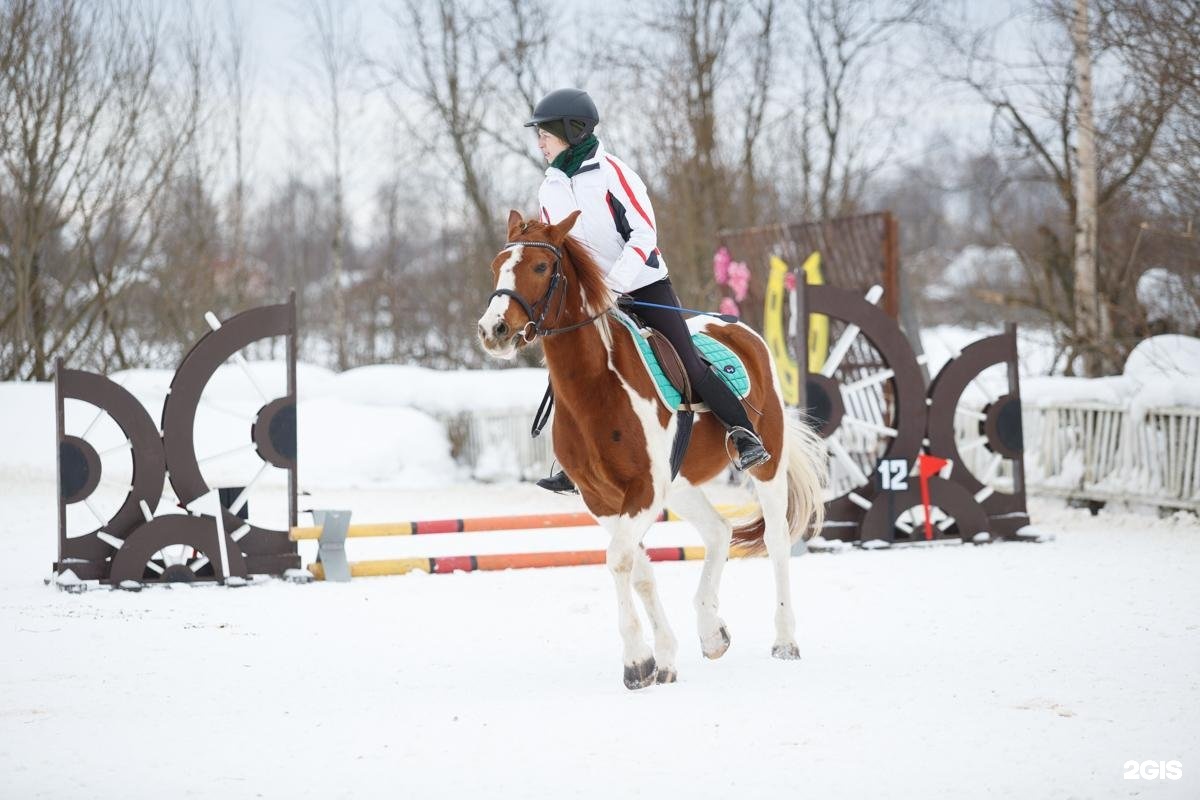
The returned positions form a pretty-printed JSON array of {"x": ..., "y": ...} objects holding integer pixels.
[{"x": 613, "y": 436}]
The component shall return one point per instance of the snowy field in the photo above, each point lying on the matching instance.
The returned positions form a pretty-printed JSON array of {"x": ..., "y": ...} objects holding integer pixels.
[
  {"x": 1006, "y": 671},
  {"x": 1013, "y": 670}
]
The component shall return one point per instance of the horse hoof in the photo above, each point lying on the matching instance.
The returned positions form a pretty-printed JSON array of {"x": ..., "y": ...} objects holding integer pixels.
[
  {"x": 641, "y": 674},
  {"x": 716, "y": 645},
  {"x": 787, "y": 652},
  {"x": 667, "y": 676}
]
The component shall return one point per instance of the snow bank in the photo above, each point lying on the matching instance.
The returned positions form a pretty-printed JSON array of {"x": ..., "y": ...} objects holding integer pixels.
[
  {"x": 443, "y": 391},
  {"x": 1167, "y": 356},
  {"x": 1161, "y": 372},
  {"x": 348, "y": 443},
  {"x": 1170, "y": 298},
  {"x": 27, "y": 430},
  {"x": 1035, "y": 347},
  {"x": 352, "y": 432},
  {"x": 973, "y": 266},
  {"x": 1046, "y": 391}
]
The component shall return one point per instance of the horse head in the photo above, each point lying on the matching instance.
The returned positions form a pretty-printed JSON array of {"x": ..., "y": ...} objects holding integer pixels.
[{"x": 529, "y": 285}]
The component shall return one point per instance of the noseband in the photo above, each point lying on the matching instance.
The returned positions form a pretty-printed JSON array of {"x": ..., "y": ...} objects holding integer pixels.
[{"x": 534, "y": 327}]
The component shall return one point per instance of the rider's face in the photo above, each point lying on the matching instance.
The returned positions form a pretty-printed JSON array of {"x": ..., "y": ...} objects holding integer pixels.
[{"x": 549, "y": 144}]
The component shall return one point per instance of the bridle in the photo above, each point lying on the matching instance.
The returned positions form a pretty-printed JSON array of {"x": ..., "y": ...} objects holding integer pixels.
[{"x": 557, "y": 278}]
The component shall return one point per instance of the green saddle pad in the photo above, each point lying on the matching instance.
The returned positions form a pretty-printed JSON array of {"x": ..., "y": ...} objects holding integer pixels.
[{"x": 728, "y": 365}]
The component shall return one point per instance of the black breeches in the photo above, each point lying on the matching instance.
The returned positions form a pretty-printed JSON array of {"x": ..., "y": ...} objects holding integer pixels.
[{"x": 670, "y": 323}]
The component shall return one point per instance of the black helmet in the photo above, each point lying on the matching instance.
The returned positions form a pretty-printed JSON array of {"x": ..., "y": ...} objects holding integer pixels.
[{"x": 572, "y": 108}]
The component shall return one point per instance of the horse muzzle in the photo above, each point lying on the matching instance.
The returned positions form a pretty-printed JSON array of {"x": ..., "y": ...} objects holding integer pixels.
[{"x": 500, "y": 340}]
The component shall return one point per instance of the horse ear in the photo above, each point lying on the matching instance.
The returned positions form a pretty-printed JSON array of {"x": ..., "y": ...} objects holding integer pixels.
[
  {"x": 559, "y": 232},
  {"x": 514, "y": 223}
]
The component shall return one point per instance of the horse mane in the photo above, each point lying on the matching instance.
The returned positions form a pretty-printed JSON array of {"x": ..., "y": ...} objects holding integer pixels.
[{"x": 596, "y": 294}]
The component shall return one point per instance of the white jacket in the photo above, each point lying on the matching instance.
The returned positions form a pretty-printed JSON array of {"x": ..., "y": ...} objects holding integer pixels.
[{"x": 617, "y": 220}]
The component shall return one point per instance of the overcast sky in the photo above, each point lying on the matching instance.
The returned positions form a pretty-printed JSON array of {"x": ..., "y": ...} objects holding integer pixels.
[{"x": 285, "y": 129}]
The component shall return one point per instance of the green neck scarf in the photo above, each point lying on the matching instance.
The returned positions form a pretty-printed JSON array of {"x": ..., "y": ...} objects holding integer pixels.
[{"x": 571, "y": 159}]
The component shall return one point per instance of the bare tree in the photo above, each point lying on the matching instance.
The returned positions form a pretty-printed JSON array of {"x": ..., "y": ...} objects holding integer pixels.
[
  {"x": 1039, "y": 130},
  {"x": 238, "y": 73},
  {"x": 1161, "y": 38},
  {"x": 446, "y": 69},
  {"x": 521, "y": 40},
  {"x": 761, "y": 48},
  {"x": 96, "y": 132},
  {"x": 334, "y": 31},
  {"x": 686, "y": 138},
  {"x": 845, "y": 35},
  {"x": 1087, "y": 306}
]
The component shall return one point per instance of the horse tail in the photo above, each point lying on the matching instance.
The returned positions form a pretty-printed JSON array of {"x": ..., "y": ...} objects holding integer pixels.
[{"x": 806, "y": 474}]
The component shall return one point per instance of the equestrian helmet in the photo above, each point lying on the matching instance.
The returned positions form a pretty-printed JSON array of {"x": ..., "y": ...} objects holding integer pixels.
[{"x": 573, "y": 111}]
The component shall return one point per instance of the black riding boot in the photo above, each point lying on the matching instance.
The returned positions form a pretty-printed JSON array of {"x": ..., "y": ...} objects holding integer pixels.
[
  {"x": 727, "y": 408},
  {"x": 558, "y": 482}
]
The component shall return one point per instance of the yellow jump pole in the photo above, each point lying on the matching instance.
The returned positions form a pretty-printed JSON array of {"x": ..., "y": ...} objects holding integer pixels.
[{"x": 489, "y": 563}]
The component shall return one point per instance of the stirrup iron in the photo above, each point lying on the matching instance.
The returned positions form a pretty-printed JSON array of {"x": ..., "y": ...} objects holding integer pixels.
[{"x": 750, "y": 450}]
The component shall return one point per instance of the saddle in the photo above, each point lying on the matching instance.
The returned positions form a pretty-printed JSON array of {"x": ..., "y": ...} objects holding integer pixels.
[
  {"x": 671, "y": 365},
  {"x": 663, "y": 364},
  {"x": 670, "y": 378},
  {"x": 666, "y": 368}
]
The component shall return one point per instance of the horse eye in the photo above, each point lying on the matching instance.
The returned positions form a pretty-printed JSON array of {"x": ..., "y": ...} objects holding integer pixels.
[{"x": 540, "y": 268}]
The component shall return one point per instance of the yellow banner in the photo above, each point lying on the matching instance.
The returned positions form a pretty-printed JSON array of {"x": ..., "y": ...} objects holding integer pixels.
[
  {"x": 818, "y": 324},
  {"x": 773, "y": 330}
]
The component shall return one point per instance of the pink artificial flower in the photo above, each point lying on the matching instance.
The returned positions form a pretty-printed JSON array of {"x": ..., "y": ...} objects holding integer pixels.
[
  {"x": 789, "y": 281},
  {"x": 729, "y": 306},
  {"x": 739, "y": 280},
  {"x": 721, "y": 265}
]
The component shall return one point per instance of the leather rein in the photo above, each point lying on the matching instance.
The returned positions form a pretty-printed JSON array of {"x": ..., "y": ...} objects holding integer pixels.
[{"x": 557, "y": 278}]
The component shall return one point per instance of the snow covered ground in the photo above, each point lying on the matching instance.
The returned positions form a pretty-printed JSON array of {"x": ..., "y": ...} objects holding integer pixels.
[
  {"x": 1005, "y": 671},
  {"x": 1012, "y": 670}
]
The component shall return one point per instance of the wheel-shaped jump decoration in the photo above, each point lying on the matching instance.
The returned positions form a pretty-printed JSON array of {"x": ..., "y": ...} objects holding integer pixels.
[
  {"x": 898, "y": 515},
  {"x": 995, "y": 428},
  {"x": 133, "y": 544},
  {"x": 885, "y": 432},
  {"x": 80, "y": 469},
  {"x": 272, "y": 432},
  {"x": 869, "y": 408},
  {"x": 177, "y": 549}
]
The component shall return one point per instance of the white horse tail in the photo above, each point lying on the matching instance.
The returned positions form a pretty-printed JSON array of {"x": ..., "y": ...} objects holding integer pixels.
[
  {"x": 807, "y": 474},
  {"x": 807, "y": 470}
]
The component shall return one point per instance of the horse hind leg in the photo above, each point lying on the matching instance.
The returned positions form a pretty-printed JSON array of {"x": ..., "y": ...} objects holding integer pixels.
[
  {"x": 692, "y": 504},
  {"x": 773, "y": 497},
  {"x": 665, "y": 645},
  {"x": 626, "y": 535}
]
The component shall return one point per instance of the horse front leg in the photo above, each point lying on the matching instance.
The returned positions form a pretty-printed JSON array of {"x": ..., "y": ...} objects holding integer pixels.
[
  {"x": 622, "y": 558},
  {"x": 665, "y": 645}
]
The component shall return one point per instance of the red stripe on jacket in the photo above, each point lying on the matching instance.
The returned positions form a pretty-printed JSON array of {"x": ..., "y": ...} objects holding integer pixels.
[
  {"x": 625, "y": 185},
  {"x": 638, "y": 250}
]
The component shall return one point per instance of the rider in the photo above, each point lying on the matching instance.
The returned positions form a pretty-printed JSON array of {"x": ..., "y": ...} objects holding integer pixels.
[{"x": 617, "y": 224}]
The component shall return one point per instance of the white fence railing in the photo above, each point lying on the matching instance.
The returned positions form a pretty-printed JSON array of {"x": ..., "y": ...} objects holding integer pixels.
[
  {"x": 1095, "y": 451},
  {"x": 496, "y": 445}
]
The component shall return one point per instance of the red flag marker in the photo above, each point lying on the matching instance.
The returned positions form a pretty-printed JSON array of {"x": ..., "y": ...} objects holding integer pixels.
[{"x": 928, "y": 466}]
